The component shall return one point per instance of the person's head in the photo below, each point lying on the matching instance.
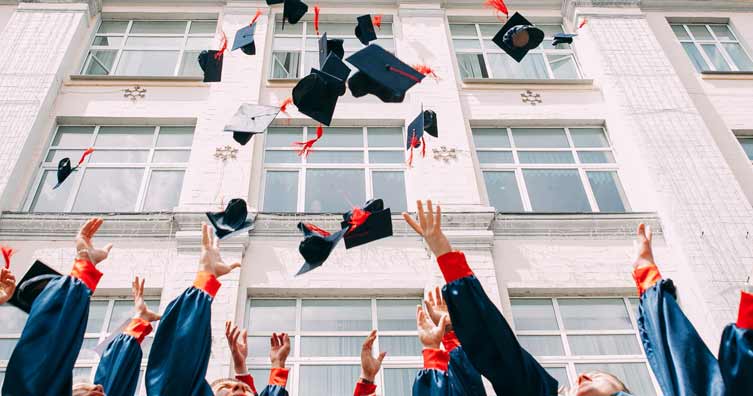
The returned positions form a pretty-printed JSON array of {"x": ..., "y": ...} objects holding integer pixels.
[
  {"x": 597, "y": 383},
  {"x": 231, "y": 387},
  {"x": 520, "y": 38},
  {"x": 88, "y": 390}
]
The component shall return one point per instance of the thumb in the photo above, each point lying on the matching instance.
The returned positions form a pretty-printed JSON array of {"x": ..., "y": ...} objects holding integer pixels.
[
  {"x": 381, "y": 356},
  {"x": 107, "y": 248},
  {"x": 444, "y": 321},
  {"x": 234, "y": 266}
]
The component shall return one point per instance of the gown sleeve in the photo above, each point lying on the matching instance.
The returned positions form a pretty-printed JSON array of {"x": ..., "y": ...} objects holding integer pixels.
[
  {"x": 464, "y": 379},
  {"x": 681, "y": 361},
  {"x": 42, "y": 362},
  {"x": 736, "y": 350},
  {"x": 432, "y": 380},
  {"x": 485, "y": 336},
  {"x": 179, "y": 357},
  {"x": 278, "y": 379},
  {"x": 364, "y": 389},
  {"x": 247, "y": 379},
  {"x": 119, "y": 367}
]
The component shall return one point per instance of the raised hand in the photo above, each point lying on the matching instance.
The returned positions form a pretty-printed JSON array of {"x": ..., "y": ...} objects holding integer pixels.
[
  {"x": 7, "y": 285},
  {"x": 429, "y": 334},
  {"x": 644, "y": 253},
  {"x": 370, "y": 365},
  {"x": 88, "y": 390},
  {"x": 437, "y": 308},
  {"x": 85, "y": 250},
  {"x": 210, "y": 260},
  {"x": 139, "y": 305},
  {"x": 237, "y": 340},
  {"x": 429, "y": 226},
  {"x": 280, "y": 349}
]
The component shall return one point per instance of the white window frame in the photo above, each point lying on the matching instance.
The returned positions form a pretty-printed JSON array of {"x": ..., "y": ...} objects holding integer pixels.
[
  {"x": 568, "y": 360},
  {"x": 715, "y": 40},
  {"x": 744, "y": 135},
  {"x": 582, "y": 168},
  {"x": 487, "y": 46},
  {"x": 295, "y": 361},
  {"x": 309, "y": 132},
  {"x": 182, "y": 49},
  {"x": 77, "y": 176}
]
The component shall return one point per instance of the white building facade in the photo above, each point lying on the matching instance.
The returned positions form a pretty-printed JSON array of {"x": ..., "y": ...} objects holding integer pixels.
[{"x": 543, "y": 170}]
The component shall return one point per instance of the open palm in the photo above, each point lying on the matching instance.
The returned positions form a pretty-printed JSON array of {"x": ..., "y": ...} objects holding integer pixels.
[
  {"x": 437, "y": 307},
  {"x": 429, "y": 334},
  {"x": 644, "y": 252},
  {"x": 7, "y": 285},
  {"x": 142, "y": 310},
  {"x": 85, "y": 249},
  {"x": 211, "y": 260}
]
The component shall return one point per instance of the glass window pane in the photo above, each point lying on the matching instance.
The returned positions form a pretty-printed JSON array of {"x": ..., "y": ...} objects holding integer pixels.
[
  {"x": 463, "y": 30},
  {"x": 604, "y": 345},
  {"x": 385, "y": 137},
  {"x": 271, "y": 315},
  {"x": 634, "y": 303},
  {"x": 281, "y": 157},
  {"x": 495, "y": 157},
  {"x": 680, "y": 32},
  {"x": 333, "y": 190},
  {"x": 121, "y": 310},
  {"x": 259, "y": 346},
  {"x": 87, "y": 349},
  {"x": 283, "y": 137},
  {"x": 400, "y": 346},
  {"x": 154, "y": 42},
  {"x": 189, "y": 64},
  {"x": 147, "y": 63},
  {"x": 109, "y": 190},
  {"x": 281, "y": 191},
  {"x": 608, "y": 191},
  {"x": 390, "y": 186},
  {"x": 49, "y": 200},
  {"x": 97, "y": 311},
  {"x": 112, "y": 27},
  {"x": 556, "y": 190},
  {"x": 700, "y": 32},
  {"x": 546, "y": 157},
  {"x": 738, "y": 56},
  {"x": 399, "y": 381},
  {"x": 634, "y": 375},
  {"x": 335, "y": 157},
  {"x": 171, "y": 156},
  {"x": 502, "y": 188},
  {"x": 108, "y": 41},
  {"x": 159, "y": 27},
  {"x": 13, "y": 319},
  {"x": 198, "y": 43},
  {"x": 695, "y": 56},
  {"x": 533, "y": 314},
  {"x": 596, "y": 157},
  {"x": 82, "y": 374},
  {"x": 333, "y": 29},
  {"x": 747, "y": 144},
  {"x": 550, "y": 30},
  {"x": 6, "y": 347},
  {"x": 119, "y": 156},
  {"x": 490, "y": 138},
  {"x": 386, "y": 157},
  {"x": 125, "y": 136},
  {"x": 472, "y": 66},
  {"x": 397, "y": 314},
  {"x": 336, "y": 315},
  {"x": 285, "y": 64},
  {"x": 289, "y": 29},
  {"x": 589, "y": 137},
  {"x": 331, "y": 346},
  {"x": 467, "y": 44},
  {"x": 531, "y": 67},
  {"x": 715, "y": 56},
  {"x": 54, "y": 156},
  {"x": 563, "y": 66},
  {"x": 100, "y": 62},
  {"x": 328, "y": 380},
  {"x": 722, "y": 32},
  {"x": 339, "y": 137},
  {"x": 540, "y": 138},
  {"x": 560, "y": 374},
  {"x": 177, "y": 136},
  {"x": 594, "y": 314},
  {"x": 488, "y": 30},
  {"x": 542, "y": 345},
  {"x": 73, "y": 136},
  {"x": 163, "y": 192},
  {"x": 203, "y": 27},
  {"x": 146, "y": 347}
]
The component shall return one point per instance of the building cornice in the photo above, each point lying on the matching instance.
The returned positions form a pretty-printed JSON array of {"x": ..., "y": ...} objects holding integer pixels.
[{"x": 567, "y": 225}]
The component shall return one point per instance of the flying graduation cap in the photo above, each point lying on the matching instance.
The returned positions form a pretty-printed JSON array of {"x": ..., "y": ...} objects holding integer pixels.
[
  {"x": 330, "y": 46},
  {"x": 251, "y": 119},
  {"x": 244, "y": 39},
  {"x": 316, "y": 94},
  {"x": 426, "y": 121},
  {"x": 31, "y": 285},
  {"x": 365, "y": 29},
  {"x": 381, "y": 74},
  {"x": 563, "y": 38},
  {"x": 210, "y": 62},
  {"x": 316, "y": 246},
  {"x": 65, "y": 169},
  {"x": 234, "y": 219},
  {"x": 367, "y": 224},
  {"x": 518, "y": 36},
  {"x": 293, "y": 11}
]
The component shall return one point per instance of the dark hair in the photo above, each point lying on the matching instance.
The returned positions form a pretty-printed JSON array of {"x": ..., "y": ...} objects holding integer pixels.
[{"x": 616, "y": 379}]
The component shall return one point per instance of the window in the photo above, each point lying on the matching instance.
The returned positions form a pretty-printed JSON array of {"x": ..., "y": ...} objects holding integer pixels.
[
  {"x": 479, "y": 57},
  {"x": 148, "y": 48},
  {"x": 345, "y": 167},
  {"x": 747, "y": 143},
  {"x": 712, "y": 47},
  {"x": 549, "y": 170},
  {"x": 326, "y": 337},
  {"x": 570, "y": 336},
  {"x": 296, "y": 49},
  {"x": 133, "y": 168},
  {"x": 105, "y": 315}
]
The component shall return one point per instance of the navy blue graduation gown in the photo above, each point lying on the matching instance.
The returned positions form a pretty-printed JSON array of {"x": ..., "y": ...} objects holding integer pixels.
[
  {"x": 119, "y": 367},
  {"x": 42, "y": 361},
  {"x": 278, "y": 378},
  {"x": 463, "y": 378},
  {"x": 433, "y": 380}
]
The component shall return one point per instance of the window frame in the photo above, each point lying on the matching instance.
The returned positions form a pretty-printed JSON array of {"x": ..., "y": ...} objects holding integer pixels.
[
  {"x": 76, "y": 178},
  {"x": 715, "y": 41},
  {"x": 309, "y": 132},
  {"x": 582, "y": 168}
]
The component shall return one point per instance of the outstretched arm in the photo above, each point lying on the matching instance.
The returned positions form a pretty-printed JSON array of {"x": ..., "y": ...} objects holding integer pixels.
[
  {"x": 278, "y": 355},
  {"x": 736, "y": 348},
  {"x": 486, "y": 337},
  {"x": 432, "y": 379},
  {"x": 237, "y": 341},
  {"x": 370, "y": 366}
]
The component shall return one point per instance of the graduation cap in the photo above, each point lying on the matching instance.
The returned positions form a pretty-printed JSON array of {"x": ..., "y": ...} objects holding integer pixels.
[
  {"x": 563, "y": 38},
  {"x": 327, "y": 46},
  {"x": 381, "y": 74},
  {"x": 293, "y": 11},
  {"x": 211, "y": 63},
  {"x": 367, "y": 224},
  {"x": 316, "y": 95},
  {"x": 234, "y": 219},
  {"x": 244, "y": 39},
  {"x": 426, "y": 121},
  {"x": 271, "y": 2},
  {"x": 249, "y": 120},
  {"x": 316, "y": 246},
  {"x": 334, "y": 66},
  {"x": 511, "y": 38},
  {"x": 365, "y": 29},
  {"x": 31, "y": 285},
  {"x": 65, "y": 169}
]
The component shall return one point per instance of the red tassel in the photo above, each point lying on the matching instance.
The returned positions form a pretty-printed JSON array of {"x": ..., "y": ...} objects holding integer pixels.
[
  {"x": 377, "y": 21},
  {"x": 413, "y": 144},
  {"x": 498, "y": 5},
  {"x": 285, "y": 103},
  {"x": 223, "y": 46},
  {"x": 402, "y": 73},
  {"x": 582, "y": 23},
  {"x": 7, "y": 252},
  {"x": 317, "y": 230},
  {"x": 317, "y": 10},
  {"x": 358, "y": 216},
  {"x": 258, "y": 14},
  {"x": 304, "y": 148},
  {"x": 423, "y": 147},
  {"x": 86, "y": 154},
  {"x": 426, "y": 70}
]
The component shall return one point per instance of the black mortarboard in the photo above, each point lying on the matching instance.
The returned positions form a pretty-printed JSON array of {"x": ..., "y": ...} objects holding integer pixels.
[
  {"x": 377, "y": 225},
  {"x": 316, "y": 95},
  {"x": 515, "y": 25},
  {"x": 563, "y": 38},
  {"x": 211, "y": 65},
  {"x": 244, "y": 39},
  {"x": 430, "y": 123},
  {"x": 365, "y": 29},
  {"x": 293, "y": 11},
  {"x": 232, "y": 220},
  {"x": 64, "y": 170},
  {"x": 335, "y": 66},
  {"x": 327, "y": 46},
  {"x": 31, "y": 285},
  {"x": 316, "y": 246},
  {"x": 381, "y": 74},
  {"x": 271, "y": 2},
  {"x": 249, "y": 120},
  {"x": 426, "y": 121}
]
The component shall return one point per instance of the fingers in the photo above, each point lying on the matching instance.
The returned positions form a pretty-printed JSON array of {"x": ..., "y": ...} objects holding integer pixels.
[
  {"x": 95, "y": 227},
  {"x": 421, "y": 318},
  {"x": 438, "y": 219},
  {"x": 215, "y": 242},
  {"x": 430, "y": 215},
  {"x": 431, "y": 299},
  {"x": 107, "y": 248},
  {"x": 369, "y": 342},
  {"x": 421, "y": 219},
  {"x": 649, "y": 234},
  {"x": 234, "y": 266},
  {"x": 227, "y": 329},
  {"x": 244, "y": 337},
  {"x": 285, "y": 339},
  {"x": 234, "y": 334},
  {"x": 381, "y": 356},
  {"x": 205, "y": 241},
  {"x": 141, "y": 286},
  {"x": 273, "y": 341},
  {"x": 444, "y": 322},
  {"x": 412, "y": 223},
  {"x": 438, "y": 294},
  {"x": 641, "y": 232},
  {"x": 86, "y": 228}
]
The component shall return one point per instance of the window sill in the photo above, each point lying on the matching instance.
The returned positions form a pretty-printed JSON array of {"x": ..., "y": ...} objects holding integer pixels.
[
  {"x": 482, "y": 83},
  {"x": 179, "y": 81},
  {"x": 282, "y": 82},
  {"x": 726, "y": 75}
]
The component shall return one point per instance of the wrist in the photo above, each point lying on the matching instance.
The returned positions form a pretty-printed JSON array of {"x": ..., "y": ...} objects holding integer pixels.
[
  {"x": 278, "y": 364},
  {"x": 240, "y": 368},
  {"x": 367, "y": 378}
]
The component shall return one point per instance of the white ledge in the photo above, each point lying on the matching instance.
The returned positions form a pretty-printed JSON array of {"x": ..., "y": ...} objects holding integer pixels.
[
  {"x": 726, "y": 75},
  {"x": 89, "y": 80},
  {"x": 485, "y": 83}
]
